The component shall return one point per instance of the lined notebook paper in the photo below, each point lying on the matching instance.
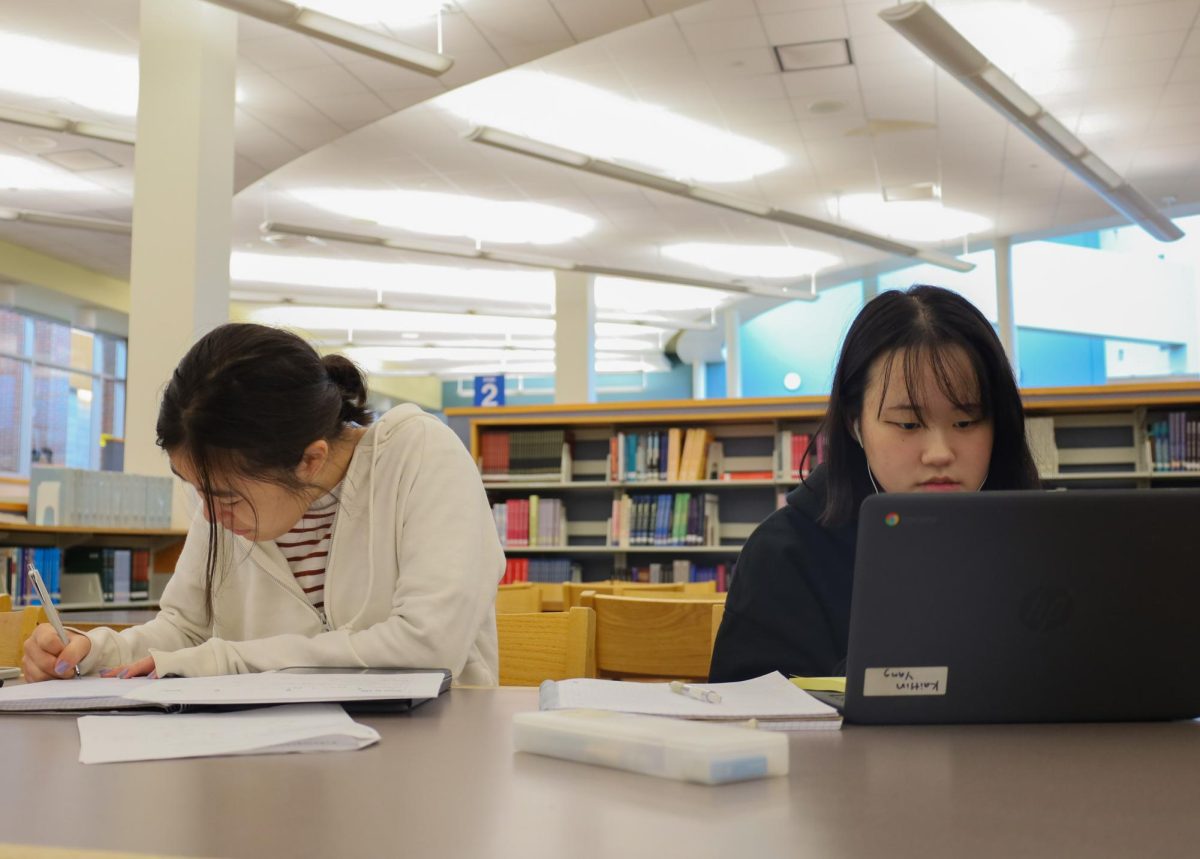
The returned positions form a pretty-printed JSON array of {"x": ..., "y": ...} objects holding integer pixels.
[{"x": 771, "y": 699}]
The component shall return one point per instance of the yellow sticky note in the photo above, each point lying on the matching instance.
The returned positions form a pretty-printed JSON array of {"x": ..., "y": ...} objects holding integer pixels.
[{"x": 821, "y": 684}]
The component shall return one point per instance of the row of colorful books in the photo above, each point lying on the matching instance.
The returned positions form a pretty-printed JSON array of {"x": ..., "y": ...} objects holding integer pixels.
[
  {"x": 796, "y": 461},
  {"x": 665, "y": 519},
  {"x": 1174, "y": 442},
  {"x": 532, "y": 521},
  {"x": 670, "y": 454},
  {"x": 679, "y": 571},
  {"x": 551, "y": 570},
  {"x": 541, "y": 454},
  {"x": 79, "y": 574}
]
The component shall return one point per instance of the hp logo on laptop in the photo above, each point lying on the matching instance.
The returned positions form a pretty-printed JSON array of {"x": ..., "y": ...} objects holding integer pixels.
[{"x": 1046, "y": 609}]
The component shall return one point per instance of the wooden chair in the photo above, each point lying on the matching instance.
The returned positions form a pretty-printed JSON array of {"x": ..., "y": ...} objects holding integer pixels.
[
  {"x": 518, "y": 597},
  {"x": 573, "y": 591},
  {"x": 546, "y": 646},
  {"x": 644, "y": 638},
  {"x": 676, "y": 595},
  {"x": 718, "y": 614},
  {"x": 5, "y": 602},
  {"x": 552, "y": 595},
  {"x": 700, "y": 588},
  {"x": 15, "y": 627}
]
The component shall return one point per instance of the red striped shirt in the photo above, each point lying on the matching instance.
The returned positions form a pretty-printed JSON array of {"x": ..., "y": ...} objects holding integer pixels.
[{"x": 306, "y": 547}]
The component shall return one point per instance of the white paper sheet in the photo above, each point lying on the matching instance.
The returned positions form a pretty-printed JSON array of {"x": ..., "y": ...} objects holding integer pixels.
[
  {"x": 771, "y": 696},
  {"x": 272, "y": 730},
  {"x": 283, "y": 688}
]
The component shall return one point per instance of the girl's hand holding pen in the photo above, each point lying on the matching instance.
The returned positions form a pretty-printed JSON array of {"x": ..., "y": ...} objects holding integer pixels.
[{"x": 47, "y": 658}]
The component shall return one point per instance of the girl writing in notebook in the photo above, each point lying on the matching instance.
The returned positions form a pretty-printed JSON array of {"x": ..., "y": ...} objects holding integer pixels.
[
  {"x": 324, "y": 537},
  {"x": 923, "y": 400}
]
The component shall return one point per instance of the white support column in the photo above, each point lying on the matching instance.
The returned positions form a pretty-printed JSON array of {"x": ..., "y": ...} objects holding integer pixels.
[
  {"x": 870, "y": 286},
  {"x": 574, "y": 337},
  {"x": 183, "y": 192},
  {"x": 733, "y": 353},
  {"x": 699, "y": 381},
  {"x": 1005, "y": 313}
]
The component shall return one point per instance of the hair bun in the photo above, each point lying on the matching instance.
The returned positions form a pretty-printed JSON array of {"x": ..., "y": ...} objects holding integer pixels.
[{"x": 353, "y": 385}]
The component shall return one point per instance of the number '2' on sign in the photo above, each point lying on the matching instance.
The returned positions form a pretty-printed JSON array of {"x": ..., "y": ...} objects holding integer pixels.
[{"x": 489, "y": 390}]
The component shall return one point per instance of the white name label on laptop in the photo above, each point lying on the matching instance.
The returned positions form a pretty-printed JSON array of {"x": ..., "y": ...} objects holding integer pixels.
[{"x": 925, "y": 680}]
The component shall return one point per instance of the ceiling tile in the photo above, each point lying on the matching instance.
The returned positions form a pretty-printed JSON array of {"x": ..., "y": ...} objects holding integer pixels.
[
  {"x": 1187, "y": 70},
  {"x": 717, "y": 10},
  {"x": 811, "y": 25},
  {"x": 1168, "y": 17},
  {"x": 587, "y": 19},
  {"x": 723, "y": 35},
  {"x": 740, "y": 63},
  {"x": 321, "y": 81},
  {"x": 823, "y": 82},
  {"x": 284, "y": 51},
  {"x": 1141, "y": 48}
]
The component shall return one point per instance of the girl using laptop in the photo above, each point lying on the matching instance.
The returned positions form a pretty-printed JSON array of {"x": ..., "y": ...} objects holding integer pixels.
[
  {"x": 923, "y": 400},
  {"x": 324, "y": 537}
]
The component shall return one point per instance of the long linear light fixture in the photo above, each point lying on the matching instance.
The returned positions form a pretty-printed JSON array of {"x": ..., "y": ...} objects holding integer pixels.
[
  {"x": 342, "y": 33},
  {"x": 254, "y": 299},
  {"x": 78, "y": 222},
  {"x": 935, "y": 37},
  {"x": 535, "y": 261},
  {"x": 570, "y": 158},
  {"x": 53, "y": 122}
]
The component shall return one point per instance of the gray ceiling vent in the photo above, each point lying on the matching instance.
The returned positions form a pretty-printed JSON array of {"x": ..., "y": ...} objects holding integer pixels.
[{"x": 803, "y": 56}]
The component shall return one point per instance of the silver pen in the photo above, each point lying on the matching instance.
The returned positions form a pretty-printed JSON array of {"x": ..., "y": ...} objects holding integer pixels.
[{"x": 51, "y": 612}]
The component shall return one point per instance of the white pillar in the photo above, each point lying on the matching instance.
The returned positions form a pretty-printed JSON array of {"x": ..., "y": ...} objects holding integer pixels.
[
  {"x": 574, "y": 337},
  {"x": 1005, "y": 313},
  {"x": 183, "y": 192},
  {"x": 733, "y": 353},
  {"x": 699, "y": 381},
  {"x": 870, "y": 286}
]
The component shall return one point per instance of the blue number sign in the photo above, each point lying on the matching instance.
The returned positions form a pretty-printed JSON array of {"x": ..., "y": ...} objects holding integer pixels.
[{"x": 489, "y": 390}]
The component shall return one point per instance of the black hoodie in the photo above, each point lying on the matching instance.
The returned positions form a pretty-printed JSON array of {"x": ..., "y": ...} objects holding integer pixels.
[{"x": 788, "y": 608}]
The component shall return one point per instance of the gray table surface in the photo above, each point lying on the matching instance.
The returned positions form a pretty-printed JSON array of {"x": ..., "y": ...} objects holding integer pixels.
[{"x": 444, "y": 782}]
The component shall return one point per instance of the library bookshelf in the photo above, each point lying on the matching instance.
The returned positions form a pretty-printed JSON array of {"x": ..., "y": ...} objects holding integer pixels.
[
  {"x": 1107, "y": 437},
  {"x": 162, "y": 545}
]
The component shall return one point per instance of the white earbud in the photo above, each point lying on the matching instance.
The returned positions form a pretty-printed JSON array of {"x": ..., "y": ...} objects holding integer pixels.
[{"x": 858, "y": 434}]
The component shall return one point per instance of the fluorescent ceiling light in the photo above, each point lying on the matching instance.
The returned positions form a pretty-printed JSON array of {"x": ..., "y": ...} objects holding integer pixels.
[
  {"x": 77, "y": 222},
  {"x": 511, "y": 259},
  {"x": 917, "y": 221},
  {"x": 491, "y": 285},
  {"x": 636, "y": 296},
  {"x": 562, "y": 112},
  {"x": 936, "y": 38},
  {"x": 53, "y": 122},
  {"x": 376, "y": 319},
  {"x": 343, "y": 33},
  {"x": 751, "y": 260},
  {"x": 1016, "y": 36},
  {"x": 440, "y": 214},
  {"x": 24, "y": 174},
  {"x": 95, "y": 80},
  {"x": 538, "y": 149},
  {"x": 390, "y": 13}
]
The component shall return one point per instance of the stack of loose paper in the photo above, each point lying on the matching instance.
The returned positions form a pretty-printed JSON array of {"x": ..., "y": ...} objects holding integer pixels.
[
  {"x": 771, "y": 699},
  {"x": 268, "y": 731}
]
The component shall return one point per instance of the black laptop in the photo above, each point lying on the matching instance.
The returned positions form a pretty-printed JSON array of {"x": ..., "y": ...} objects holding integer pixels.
[{"x": 1026, "y": 607}]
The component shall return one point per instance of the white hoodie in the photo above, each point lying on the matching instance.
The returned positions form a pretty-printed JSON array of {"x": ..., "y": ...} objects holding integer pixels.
[{"x": 411, "y": 577}]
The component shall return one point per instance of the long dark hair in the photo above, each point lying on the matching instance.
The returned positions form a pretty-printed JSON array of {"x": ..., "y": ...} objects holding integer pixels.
[
  {"x": 246, "y": 401},
  {"x": 924, "y": 323}
]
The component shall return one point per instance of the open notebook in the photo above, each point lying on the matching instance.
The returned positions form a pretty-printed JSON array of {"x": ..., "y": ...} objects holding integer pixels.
[
  {"x": 393, "y": 690},
  {"x": 771, "y": 699}
]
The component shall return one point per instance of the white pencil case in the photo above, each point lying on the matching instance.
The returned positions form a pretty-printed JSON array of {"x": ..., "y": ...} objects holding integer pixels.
[{"x": 669, "y": 748}]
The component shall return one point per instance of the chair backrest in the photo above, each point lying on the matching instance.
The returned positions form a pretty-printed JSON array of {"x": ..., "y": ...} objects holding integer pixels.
[
  {"x": 549, "y": 645},
  {"x": 552, "y": 595},
  {"x": 518, "y": 597},
  {"x": 5, "y": 602},
  {"x": 15, "y": 627},
  {"x": 633, "y": 589},
  {"x": 647, "y": 638},
  {"x": 572, "y": 591},
  {"x": 676, "y": 595},
  {"x": 718, "y": 614},
  {"x": 698, "y": 588}
]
